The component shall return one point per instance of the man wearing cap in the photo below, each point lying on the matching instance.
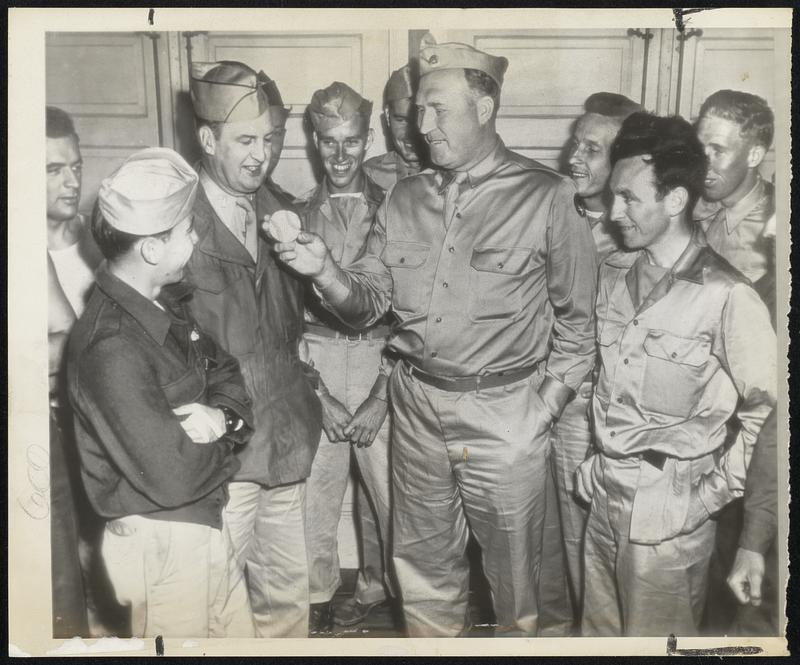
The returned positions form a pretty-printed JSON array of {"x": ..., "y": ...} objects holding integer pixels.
[
  {"x": 254, "y": 308},
  {"x": 491, "y": 273},
  {"x": 278, "y": 113},
  {"x": 399, "y": 114},
  {"x": 353, "y": 379},
  {"x": 677, "y": 330},
  {"x": 590, "y": 169},
  {"x": 159, "y": 409}
]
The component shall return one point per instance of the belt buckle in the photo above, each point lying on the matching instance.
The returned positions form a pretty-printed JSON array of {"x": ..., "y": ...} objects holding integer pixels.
[{"x": 354, "y": 338}]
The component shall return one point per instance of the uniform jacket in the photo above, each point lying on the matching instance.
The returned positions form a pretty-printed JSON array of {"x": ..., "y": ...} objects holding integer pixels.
[
  {"x": 674, "y": 371},
  {"x": 255, "y": 312},
  {"x": 129, "y": 365}
]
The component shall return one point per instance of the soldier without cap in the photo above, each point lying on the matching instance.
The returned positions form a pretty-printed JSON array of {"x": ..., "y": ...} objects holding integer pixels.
[
  {"x": 492, "y": 274},
  {"x": 254, "y": 308}
]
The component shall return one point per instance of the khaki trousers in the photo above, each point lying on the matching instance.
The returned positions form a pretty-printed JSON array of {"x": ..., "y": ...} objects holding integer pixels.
[
  {"x": 267, "y": 530},
  {"x": 633, "y": 589},
  {"x": 180, "y": 579},
  {"x": 464, "y": 460}
]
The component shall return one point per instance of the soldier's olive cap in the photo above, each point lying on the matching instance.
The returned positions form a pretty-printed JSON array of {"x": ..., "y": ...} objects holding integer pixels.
[
  {"x": 229, "y": 91},
  {"x": 398, "y": 86},
  {"x": 452, "y": 55},
  {"x": 336, "y": 105},
  {"x": 151, "y": 192}
]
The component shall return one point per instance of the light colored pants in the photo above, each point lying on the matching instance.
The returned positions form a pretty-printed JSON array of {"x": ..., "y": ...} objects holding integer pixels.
[
  {"x": 632, "y": 589},
  {"x": 180, "y": 579},
  {"x": 459, "y": 460},
  {"x": 349, "y": 369},
  {"x": 266, "y": 527},
  {"x": 571, "y": 442}
]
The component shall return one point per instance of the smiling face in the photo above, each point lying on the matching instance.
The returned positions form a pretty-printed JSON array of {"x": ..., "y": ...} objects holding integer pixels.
[
  {"x": 342, "y": 150},
  {"x": 400, "y": 115},
  {"x": 64, "y": 172},
  {"x": 732, "y": 160},
  {"x": 454, "y": 125},
  {"x": 589, "y": 158},
  {"x": 238, "y": 159},
  {"x": 640, "y": 214}
]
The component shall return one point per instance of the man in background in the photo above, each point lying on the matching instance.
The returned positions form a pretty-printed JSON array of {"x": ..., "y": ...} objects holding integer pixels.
[
  {"x": 353, "y": 379},
  {"x": 279, "y": 114},
  {"x": 71, "y": 260},
  {"x": 590, "y": 168},
  {"x": 399, "y": 116},
  {"x": 253, "y": 307}
]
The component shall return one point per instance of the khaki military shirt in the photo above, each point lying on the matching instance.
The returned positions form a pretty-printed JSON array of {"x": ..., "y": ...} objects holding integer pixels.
[
  {"x": 737, "y": 233},
  {"x": 698, "y": 350},
  {"x": 385, "y": 170},
  {"x": 506, "y": 280}
]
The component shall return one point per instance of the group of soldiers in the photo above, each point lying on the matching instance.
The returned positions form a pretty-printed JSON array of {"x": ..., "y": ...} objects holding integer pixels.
[{"x": 468, "y": 325}]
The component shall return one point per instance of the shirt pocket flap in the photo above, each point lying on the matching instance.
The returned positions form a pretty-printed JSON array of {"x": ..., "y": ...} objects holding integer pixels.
[
  {"x": 405, "y": 254},
  {"x": 503, "y": 260},
  {"x": 683, "y": 350}
]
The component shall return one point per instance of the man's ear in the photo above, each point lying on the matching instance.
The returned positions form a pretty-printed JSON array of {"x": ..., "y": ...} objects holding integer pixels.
[
  {"x": 152, "y": 250},
  {"x": 315, "y": 138},
  {"x": 485, "y": 107},
  {"x": 370, "y": 139},
  {"x": 755, "y": 155},
  {"x": 207, "y": 140},
  {"x": 677, "y": 200}
]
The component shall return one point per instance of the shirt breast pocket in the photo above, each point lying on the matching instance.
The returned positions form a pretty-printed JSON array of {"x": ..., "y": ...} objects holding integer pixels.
[
  {"x": 406, "y": 261},
  {"x": 674, "y": 373},
  {"x": 496, "y": 282}
]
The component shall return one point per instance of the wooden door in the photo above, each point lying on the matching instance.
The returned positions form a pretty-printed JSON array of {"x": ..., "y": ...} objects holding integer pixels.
[{"x": 108, "y": 83}]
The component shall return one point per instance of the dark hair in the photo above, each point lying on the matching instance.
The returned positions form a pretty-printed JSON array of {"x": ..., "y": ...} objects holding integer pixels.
[
  {"x": 670, "y": 145},
  {"x": 58, "y": 124},
  {"x": 751, "y": 112},
  {"x": 484, "y": 86},
  {"x": 214, "y": 125},
  {"x": 112, "y": 242},
  {"x": 611, "y": 105}
]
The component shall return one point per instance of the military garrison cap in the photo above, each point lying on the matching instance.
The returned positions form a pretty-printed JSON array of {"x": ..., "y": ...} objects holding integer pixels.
[
  {"x": 399, "y": 86},
  {"x": 229, "y": 91},
  {"x": 452, "y": 55},
  {"x": 151, "y": 192},
  {"x": 336, "y": 105}
]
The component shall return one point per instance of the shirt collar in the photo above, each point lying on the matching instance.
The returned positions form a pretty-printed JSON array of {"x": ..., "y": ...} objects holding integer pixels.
[
  {"x": 739, "y": 210},
  {"x": 484, "y": 169},
  {"x": 155, "y": 321},
  {"x": 223, "y": 202},
  {"x": 371, "y": 192}
]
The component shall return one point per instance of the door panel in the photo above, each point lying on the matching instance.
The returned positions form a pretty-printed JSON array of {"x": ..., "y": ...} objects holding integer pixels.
[
  {"x": 107, "y": 83},
  {"x": 550, "y": 75}
]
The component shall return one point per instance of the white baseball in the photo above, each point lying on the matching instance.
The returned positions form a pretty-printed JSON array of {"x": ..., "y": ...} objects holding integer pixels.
[{"x": 284, "y": 226}]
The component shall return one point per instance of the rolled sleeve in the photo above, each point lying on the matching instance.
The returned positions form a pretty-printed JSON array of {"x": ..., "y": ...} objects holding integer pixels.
[{"x": 761, "y": 491}]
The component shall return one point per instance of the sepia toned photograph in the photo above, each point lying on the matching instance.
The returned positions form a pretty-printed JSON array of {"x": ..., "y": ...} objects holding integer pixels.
[{"x": 388, "y": 328}]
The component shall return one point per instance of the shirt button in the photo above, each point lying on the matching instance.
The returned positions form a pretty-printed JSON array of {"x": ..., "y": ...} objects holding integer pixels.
[
  {"x": 451, "y": 249},
  {"x": 635, "y": 321},
  {"x": 673, "y": 355},
  {"x": 612, "y": 433},
  {"x": 458, "y": 214},
  {"x": 434, "y": 354},
  {"x": 402, "y": 259},
  {"x": 445, "y": 284},
  {"x": 500, "y": 265},
  {"x": 625, "y": 362},
  {"x": 620, "y": 400},
  {"x": 438, "y": 319}
]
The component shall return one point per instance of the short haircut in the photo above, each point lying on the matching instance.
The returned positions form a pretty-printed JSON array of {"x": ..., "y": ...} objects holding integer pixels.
[
  {"x": 214, "y": 125},
  {"x": 611, "y": 105},
  {"x": 58, "y": 124},
  {"x": 484, "y": 86},
  {"x": 670, "y": 145},
  {"x": 751, "y": 112},
  {"x": 112, "y": 242}
]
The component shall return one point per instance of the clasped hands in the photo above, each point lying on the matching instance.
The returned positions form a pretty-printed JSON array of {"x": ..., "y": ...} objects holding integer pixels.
[{"x": 359, "y": 428}]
